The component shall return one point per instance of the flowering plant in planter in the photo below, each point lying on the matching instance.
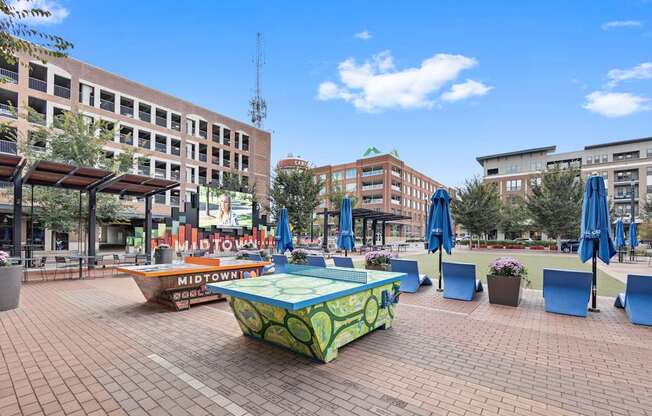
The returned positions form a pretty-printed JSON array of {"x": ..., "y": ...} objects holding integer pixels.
[
  {"x": 4, "y": 259},
  {"x": 299, "y": 256},
  {"x": 509, "y": 267},
  {"x": 378, "y": 258},
  {"x": 504, "y": 281}
]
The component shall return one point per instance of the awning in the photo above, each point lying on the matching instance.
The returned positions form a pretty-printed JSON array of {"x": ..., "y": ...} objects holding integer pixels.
[
  {"x": 137, "y": 185},
  {"x": 62, "y": 175},
  {"x": 10, "y": 166},
  {"x": 370, "y": 214}
]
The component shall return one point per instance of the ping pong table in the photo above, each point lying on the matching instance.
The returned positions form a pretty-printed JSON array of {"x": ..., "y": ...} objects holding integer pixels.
[{"x": 313, "y": 310}]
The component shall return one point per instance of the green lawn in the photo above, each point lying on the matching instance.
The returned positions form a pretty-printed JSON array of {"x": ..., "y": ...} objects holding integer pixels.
[{"x": 607, "y": 285}]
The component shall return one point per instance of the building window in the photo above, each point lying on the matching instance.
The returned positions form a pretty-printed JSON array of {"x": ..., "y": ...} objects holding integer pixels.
[
  {"x": 513, "y": 185},
  {"x": 492, "y": 171},
  {"x": 589, "y": 160},
  {"x": 351, "y": 173},
  {"x": 350, "y": 187},
  {"x": 605, "y": 158},
  {"x": 336, "y": 176}
]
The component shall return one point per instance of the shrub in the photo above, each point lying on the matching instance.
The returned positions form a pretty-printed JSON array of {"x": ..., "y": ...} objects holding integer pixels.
[
  {"x": 299, "y": 256},
  {"x": 378, "y": 258}
]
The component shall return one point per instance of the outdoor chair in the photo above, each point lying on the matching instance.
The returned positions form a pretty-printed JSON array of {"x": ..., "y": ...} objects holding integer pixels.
[
  {"x": 41, "y": 266},
  {"x": 280, "y": 261},
  {"x": 343, "y": 262},
  {"x": 316, "y": 261},
  {"x": 637, "y": 299},
  {"x": 412, "y": 280},
  {"x": 459, "y": 281},
  {"x": 61, "y": 264},
  {"x": 567, "y": 292},
  {"x": 257, "y": 257}
]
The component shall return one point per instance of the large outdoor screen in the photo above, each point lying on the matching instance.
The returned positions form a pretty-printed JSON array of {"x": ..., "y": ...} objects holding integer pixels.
[{"x": 224, "y": 209}]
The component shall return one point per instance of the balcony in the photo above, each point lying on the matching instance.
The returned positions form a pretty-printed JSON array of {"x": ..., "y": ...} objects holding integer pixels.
[
  {"x": 143, "y": 170},
  {"x": 127, "y": 111},
  {"x": 144, "y": 143},
  {"x": 372, "y": 187},
  {"x": 174, "y": 201},
  {"x": 175, "y": 175},
  {"x": 7, "y": 75},
  {"x": 145, "y": 116},
  {"x": 159, "y": 173},
  {"x": 7, "y": 110},
  {"x": 226, "y": 163},
  {"x": 159, "y": 198},
  {"x": 203, "y": 157},
  {"x": 203, "y": 134},
  {"x": 161, "y": 147},
  {"x": 396, "y": 188},
  {"x": 176, "y": 125},
  {"x": 202, "y": 180},
  {"x": 372, "y": 201},
  {"x": 36, "y": 118},
  {"x": 372, "y": 172},
  {"x": 175, "y": 150},
  {"x": 107, "y": 105},
  {"x": 7, "y": 146},
  {"x": 396, "y": 173},
  {"x": 38, "y": 84}
]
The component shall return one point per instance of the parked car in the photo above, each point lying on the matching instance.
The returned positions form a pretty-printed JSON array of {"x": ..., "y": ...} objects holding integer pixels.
[
  {"x": 523, "y": 240},
  {"x": 570, "y": 246}
]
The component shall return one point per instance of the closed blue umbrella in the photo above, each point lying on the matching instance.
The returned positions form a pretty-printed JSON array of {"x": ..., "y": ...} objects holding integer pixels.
[
  {"x": 633, "y": 239},
  {"x": 439, "y": 231},
  {"x": 283, "y": 234},
  {"x": 595, "y": 239},
  {"x": 620, "y": 238},
  {"x": 346, "y": 238}
]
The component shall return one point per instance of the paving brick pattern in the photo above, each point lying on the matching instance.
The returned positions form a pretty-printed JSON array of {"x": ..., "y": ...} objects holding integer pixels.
[{"x": 94, "y": 347}]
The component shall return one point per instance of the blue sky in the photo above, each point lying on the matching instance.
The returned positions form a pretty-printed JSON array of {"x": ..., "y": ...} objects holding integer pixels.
[{"x": 442, "y": 82}]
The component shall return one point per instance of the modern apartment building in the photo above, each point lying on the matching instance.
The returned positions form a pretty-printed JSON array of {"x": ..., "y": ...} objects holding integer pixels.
[
  {"x": 623, "y": 164},
  {"x": 172, "y": 138},
  {"x": 382, "y": 182}
]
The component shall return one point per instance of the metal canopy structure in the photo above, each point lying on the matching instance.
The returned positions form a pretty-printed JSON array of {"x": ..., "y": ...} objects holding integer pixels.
[
  {"x": 82, "y": 179},
  {"x": 365, "y": 215},
  {"x": 61, "y": 175},
  {"x": 10, "y": 166}
]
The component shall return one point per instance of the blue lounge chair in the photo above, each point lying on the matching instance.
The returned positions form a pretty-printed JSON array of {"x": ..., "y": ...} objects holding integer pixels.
[
  {"x": 343, "y": 262},
  {"x": 637, "y": 299},
  {"x": 567, "y": 291},
  {"x": 411, "y": 282},
  {"x": 459, "y": 281},
  {"x": 280, "y": 261},
  {"x": 316, "y": 261},
  {"x": 258, "y": 257}
]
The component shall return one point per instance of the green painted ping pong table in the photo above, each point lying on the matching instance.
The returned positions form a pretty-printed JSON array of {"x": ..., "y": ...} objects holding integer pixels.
[{"x": 313, "y": 310}]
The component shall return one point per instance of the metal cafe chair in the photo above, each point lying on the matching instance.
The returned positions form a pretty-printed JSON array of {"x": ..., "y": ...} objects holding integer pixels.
[
  {"x": 61, "y": 263},
  {"x": 116, "y": 262}
]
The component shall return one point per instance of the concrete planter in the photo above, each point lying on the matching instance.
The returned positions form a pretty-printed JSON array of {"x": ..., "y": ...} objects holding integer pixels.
[
  {"x": 10, "y": 282},
  {"x": 504, "y": 290}
]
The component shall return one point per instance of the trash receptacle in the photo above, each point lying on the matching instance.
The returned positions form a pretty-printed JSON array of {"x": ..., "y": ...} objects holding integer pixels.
[{"x": 163, "y": 255}]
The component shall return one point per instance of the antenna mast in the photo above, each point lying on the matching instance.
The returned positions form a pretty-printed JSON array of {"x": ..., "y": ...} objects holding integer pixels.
[{"x": 257, "y": 105}]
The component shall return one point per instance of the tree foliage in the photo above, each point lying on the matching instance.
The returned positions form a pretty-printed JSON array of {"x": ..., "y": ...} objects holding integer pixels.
[
  {"x": 298, "y": 191},
  {"x": 514, "y": 218},
  {"x": 555, "y": 205},
  {"x": 16, "y": 36},
  {"x": 79, "y": 142},
  {"x": 477, "y": 206},
  {"x": 337, "y": 194}
]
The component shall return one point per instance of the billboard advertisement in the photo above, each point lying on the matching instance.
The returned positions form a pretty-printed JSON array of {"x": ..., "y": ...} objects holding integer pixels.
[{"x": 224, "y": 209}]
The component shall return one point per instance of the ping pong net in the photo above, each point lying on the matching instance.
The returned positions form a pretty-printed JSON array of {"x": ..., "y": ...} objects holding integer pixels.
[{"x": 354, "y": 276}]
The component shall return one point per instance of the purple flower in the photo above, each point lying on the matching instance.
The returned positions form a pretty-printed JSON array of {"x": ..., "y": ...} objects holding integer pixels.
[{"x": 507, "y": 266}]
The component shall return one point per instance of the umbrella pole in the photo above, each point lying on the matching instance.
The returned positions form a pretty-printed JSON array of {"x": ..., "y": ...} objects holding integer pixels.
[
  {"x": 594, "y": 286},
  {"x": 439, "y": 289},
  {"x": 346, "y": 254}
]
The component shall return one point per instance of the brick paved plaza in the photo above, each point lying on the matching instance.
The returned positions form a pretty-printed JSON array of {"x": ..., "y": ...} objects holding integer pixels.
[{"x": 94, "y": 347}]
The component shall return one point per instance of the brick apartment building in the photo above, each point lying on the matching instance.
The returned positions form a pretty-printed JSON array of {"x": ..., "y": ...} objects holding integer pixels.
[
  {"x": 172, "y": 138},
  {"x": 623, "y": 164},
  {"x": 383, "y": 182}
]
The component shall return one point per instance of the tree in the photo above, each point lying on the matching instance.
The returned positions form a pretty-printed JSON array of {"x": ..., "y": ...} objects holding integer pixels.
[
  {"x": 18, "y": 37},
  {"x": 555, "y": 204},
  {"x": 477, "y": 206},
  {"x": 298, "y": 191},
  {"x": 514, "y": 219},
  {"x": 78, "y": 142},
  {"x": 337, "y": 195}
]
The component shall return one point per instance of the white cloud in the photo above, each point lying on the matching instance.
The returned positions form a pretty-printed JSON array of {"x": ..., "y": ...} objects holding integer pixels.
[
  {"x": 642, "y": 71},
  {"x": 57, "y": 12},
  {"x": 616, "y": 104},
  {"x": 466, "y": 89},
  {"x": 377, "y": 84},
  {"x": 364, "y": 35},
  {"x": 620, "y": 24}
]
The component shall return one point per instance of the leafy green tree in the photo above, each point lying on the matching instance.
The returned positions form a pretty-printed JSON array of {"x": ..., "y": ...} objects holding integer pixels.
[
  {"x": 514, "y": 219},
  {"x": 555, "y": 205},
  {"x": 298, "y": 191},
  {"x": 18, "y": 37},
  {"x": 337, "y": 194},
  {"x": 477, "y": 206},
  {"x": 78, "y": 142}
]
